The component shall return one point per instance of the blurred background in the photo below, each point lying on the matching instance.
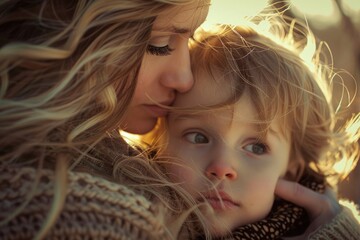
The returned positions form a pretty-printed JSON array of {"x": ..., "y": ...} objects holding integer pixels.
[{"x": 337, "y": 22}]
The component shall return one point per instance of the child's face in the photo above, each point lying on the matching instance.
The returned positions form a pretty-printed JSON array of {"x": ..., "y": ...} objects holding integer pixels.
[{"x": 221, "y": 160}]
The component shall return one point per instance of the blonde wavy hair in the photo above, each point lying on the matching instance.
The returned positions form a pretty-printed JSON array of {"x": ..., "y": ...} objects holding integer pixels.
[
  {"x": 282, "y": 84},
  {"x": 68, "y": 71}
]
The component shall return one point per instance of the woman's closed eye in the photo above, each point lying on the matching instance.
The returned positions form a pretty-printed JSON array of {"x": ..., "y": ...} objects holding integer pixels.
[
  {"x": 159, "y": 51},
  {"x": 196, "y": 138},
  {"x": 257, "y": 148}
]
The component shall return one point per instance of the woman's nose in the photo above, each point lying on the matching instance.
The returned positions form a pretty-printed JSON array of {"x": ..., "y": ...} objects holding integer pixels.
[
  {"x": 179, "y": 76},
  {"x": 221, "y": 170}
]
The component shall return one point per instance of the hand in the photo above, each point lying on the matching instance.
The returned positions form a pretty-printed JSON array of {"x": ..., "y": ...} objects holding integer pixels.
[{"x": 322, "y": 208}]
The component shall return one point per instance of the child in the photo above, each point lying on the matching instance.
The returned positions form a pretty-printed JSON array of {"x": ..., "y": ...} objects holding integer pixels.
[{"x": 256, "y": 113}]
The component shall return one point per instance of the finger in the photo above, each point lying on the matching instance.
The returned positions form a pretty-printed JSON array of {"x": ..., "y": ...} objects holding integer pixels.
[{"x": 300, "y": 195}]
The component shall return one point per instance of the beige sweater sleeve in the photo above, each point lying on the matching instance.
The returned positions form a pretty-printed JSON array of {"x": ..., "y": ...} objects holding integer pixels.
[
  {"x": 94, "y": 208},
  {"x": 345, "y": 226}
]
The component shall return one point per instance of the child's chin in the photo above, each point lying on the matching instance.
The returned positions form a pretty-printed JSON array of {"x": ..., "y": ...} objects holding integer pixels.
[
  {"x": 217, "y": 227},
  {"x": 220, "y": 231}
]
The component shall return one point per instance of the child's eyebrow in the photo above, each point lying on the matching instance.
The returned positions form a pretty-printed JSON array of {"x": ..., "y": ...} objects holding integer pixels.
[
  {"x": 179, "y": 117},
  {"x": 276, "y": 134}
]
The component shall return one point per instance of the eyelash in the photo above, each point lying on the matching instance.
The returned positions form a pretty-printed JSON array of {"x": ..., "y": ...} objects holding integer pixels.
[{"x": 159, "y": 51}]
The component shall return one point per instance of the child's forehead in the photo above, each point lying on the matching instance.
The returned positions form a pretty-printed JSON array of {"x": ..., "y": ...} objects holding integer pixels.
[
  {"x": 214, "y": 97},
  {"x": 200, "y": 104},
  {"x": 209, "y": 89},
  {"x": 240, "y": 115}
]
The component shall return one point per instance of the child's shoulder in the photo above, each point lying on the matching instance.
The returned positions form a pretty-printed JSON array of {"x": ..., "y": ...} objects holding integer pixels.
[{"x": 344, "y": 226}]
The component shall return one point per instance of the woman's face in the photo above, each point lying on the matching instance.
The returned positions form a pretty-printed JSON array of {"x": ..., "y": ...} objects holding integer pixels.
[{"x": 165, "y": 68}]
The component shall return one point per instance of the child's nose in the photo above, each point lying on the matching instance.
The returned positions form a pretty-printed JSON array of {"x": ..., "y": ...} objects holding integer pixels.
[{"x": 221, "y": 171}]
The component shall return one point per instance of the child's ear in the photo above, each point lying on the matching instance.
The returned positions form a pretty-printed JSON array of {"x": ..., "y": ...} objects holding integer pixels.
[{"x": 295, "y": 169}]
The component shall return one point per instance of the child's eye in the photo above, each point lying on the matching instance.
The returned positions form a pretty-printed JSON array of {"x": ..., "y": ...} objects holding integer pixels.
[
  {"x": 256, "y": 148},
  {"x": 159, "y": 51},
  {"x": 196, "y": 138}
]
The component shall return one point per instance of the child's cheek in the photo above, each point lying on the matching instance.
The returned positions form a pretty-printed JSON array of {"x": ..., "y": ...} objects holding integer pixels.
[
  {"x": 262, "y": 186},
  {"x": 180, "y": 172},
  {"x": 260, "y": 196}
]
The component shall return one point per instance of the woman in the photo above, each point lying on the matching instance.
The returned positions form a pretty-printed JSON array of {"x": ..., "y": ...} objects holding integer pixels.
[
  {"x": 71, "y": 77},
  {"x": 72, "y": 74}
]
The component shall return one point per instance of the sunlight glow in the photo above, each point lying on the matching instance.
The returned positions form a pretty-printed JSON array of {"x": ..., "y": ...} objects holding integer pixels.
[
  {"x": 233, "y": 11},
  {"x": 320, "y": 8},
  {"x": 354, "y": 5},
  {"x": 321, "y": 13},
  {"x": 352, "y": 9},
  {"x": 307, "y": 54},
  {"x": 131, "y": 139},
  {"x": 343, "y": 166},
  {"x": 354, "y": 127},
  {"x": 353, "y": 207},
  {"x": 309, "y": 51}
]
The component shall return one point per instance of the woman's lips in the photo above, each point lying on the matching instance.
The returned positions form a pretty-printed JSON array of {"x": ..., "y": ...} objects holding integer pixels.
[{"x": 156, "y": 111}]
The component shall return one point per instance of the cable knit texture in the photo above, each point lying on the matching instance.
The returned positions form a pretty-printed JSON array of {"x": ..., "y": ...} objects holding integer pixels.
[
  {"x": 345, "y": 226},
  {"x": 99, "y": 209},
  {"x": 94, "y": 208}
]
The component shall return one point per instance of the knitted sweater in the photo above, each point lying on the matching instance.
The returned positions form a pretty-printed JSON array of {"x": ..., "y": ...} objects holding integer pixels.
[
  {"x": 346, "y": 225},
  {"x": 96, "y": 208}
]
